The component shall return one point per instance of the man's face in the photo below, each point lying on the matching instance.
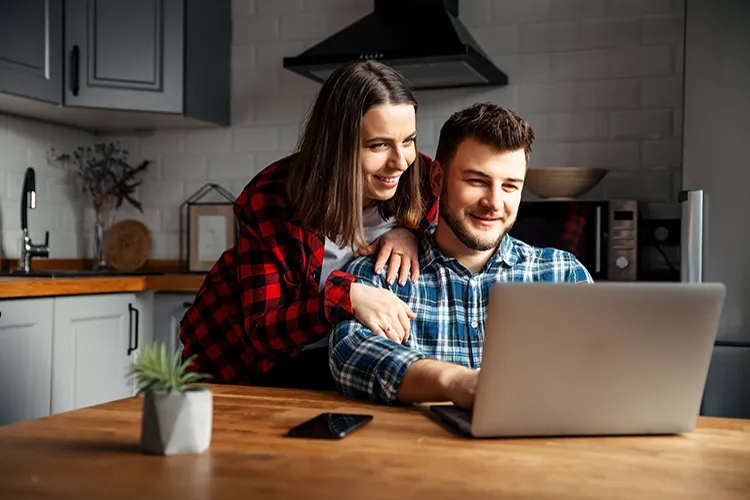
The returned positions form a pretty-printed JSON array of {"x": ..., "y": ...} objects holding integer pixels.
[{"x": 479, "y": 194}]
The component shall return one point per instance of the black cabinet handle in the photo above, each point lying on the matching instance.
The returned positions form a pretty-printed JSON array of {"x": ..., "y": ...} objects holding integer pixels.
[
  {"x": 133, "y": 329},
  {"x": 75, "y": 69}
]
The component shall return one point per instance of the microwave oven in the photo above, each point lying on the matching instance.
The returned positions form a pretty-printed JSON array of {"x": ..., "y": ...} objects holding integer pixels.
[{"x": 603, "y": 235}]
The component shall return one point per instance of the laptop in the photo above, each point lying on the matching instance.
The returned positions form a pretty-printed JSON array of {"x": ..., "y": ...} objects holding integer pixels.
[{"x": 567, "y": 359}]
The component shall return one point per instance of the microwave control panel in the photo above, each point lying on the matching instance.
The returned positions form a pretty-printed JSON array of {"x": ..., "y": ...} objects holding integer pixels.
[{"x": 623, "y": 240}]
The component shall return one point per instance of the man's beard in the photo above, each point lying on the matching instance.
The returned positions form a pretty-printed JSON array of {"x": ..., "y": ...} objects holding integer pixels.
[{"x": 463, "y": 233}]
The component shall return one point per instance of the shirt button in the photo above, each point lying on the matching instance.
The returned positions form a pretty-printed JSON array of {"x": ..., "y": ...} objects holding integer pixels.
[{"x": 474, "y": 324}]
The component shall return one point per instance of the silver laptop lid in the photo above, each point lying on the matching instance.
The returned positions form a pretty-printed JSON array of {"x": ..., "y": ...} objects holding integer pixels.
[{"x": 595, "y": 359}]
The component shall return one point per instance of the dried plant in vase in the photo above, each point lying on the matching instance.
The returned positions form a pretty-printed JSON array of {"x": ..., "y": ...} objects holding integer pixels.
[
  {"x": 177, "y": 414},
  {"x": 106, "y": 178}
]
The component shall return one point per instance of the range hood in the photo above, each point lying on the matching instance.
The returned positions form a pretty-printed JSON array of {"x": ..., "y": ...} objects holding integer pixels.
[{"x": 422, "y": 39}]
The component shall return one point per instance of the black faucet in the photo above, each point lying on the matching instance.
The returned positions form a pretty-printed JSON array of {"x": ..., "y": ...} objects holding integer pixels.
[{"x": 28, "y": 200}]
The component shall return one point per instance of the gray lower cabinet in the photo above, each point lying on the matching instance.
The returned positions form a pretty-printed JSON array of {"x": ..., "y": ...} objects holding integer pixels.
[
  {"x": 25, "y": 359},
  {"x": 92, "y": 350},
  {"x": 65, "y": 353},
  {"x": 31, "y": 49}
]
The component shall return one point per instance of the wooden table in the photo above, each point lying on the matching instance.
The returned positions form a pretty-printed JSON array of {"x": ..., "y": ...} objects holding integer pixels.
[{"x": 93, "y": 453}]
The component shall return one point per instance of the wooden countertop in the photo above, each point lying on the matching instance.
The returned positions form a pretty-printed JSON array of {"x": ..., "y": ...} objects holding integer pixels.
[
  {"x": 21, "y": 287},
  {"x": 93, "y": 453}
]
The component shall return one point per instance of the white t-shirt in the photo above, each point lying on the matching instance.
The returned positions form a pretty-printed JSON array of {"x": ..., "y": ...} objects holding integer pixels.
[{"x": 336, "y": 257}]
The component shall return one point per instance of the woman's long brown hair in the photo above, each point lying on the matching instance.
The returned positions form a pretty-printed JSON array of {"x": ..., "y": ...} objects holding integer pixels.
[{"x": 325, "y": 183}]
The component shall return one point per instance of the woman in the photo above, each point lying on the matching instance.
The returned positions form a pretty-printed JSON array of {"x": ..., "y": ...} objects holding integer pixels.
[{"x": 355, "y": 185}]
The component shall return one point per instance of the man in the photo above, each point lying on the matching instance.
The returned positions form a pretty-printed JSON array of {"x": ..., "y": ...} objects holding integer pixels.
[{"x": 478, "y": 174}]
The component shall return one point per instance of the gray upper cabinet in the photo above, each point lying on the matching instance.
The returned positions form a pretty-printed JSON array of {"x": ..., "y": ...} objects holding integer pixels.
[
  {"x": 117, "y": 65},
  {"x": 124, "y": 55},
  {"x": 31, "y": 48}
]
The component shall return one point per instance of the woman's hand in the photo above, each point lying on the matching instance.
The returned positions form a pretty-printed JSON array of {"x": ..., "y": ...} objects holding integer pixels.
[
  {"x": 381, "y": 311},
  {"x": 400, "y": 245}
]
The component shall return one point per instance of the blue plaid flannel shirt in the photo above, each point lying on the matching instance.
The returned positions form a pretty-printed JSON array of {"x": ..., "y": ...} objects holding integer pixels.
[{"x": 450, "y": 303}]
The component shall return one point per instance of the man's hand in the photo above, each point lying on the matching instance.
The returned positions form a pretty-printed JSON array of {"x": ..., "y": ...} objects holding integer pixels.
[
  {"x": 429, "y": 380},
  {"x": 461, "y": 385}
]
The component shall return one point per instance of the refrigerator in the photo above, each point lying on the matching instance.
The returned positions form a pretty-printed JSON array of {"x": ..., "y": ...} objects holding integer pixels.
[{"x": 715, "y": 186}]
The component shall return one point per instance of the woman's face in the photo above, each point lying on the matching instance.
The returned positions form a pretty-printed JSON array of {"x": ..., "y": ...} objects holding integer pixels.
[{"x": 387, "y": 149}]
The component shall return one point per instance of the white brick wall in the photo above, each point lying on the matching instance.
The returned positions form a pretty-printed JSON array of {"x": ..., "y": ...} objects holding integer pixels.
[
  {"x": 600, "y": 81},
  {"x": 24, "y": 143}
]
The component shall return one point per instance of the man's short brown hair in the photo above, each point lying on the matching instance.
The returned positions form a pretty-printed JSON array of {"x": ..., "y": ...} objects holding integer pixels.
[{"x": 487, "y": 123}]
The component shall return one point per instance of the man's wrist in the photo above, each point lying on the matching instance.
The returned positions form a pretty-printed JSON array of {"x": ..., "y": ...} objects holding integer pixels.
[{"x": 447, "y": 380}]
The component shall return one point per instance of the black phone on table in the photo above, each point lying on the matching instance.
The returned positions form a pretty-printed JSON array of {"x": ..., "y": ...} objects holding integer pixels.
[{"x": 330, "y": 425}]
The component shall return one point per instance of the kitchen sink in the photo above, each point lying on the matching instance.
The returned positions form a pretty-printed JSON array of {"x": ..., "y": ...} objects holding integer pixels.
[{"x": 72, "y": 273}]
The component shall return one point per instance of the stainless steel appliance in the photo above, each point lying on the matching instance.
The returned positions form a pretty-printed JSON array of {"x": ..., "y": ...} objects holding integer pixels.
[
  {"x": 603, "y": 235},
  {"x": 715, "y": 182},
  {"x": 169, "y": 308}
]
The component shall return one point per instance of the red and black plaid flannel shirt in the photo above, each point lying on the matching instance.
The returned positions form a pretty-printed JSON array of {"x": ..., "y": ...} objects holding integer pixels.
[{"x": 261, "y": 301}]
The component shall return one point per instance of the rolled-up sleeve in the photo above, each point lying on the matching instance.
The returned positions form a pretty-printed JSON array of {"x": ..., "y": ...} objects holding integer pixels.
[{"x": 365, "y": 365}]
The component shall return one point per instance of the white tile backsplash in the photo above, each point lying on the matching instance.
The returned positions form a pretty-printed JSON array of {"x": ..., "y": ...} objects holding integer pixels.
[
  {"x": 607, "y": 94},
  {"x": 26, "y": 143},
  {"x": 641, "y": 124},
  {"x": 600, "y": 81},
  {"x": 579, "y": 65},
  {"x": 514, "y": 12},
  {"x": 577, "y": 9},
  {"x": 635, "y": 61},
  {"x": 638, "y": 7},
  {"x": 661, "y": 92},
  {"x": 664, "y": 30}
]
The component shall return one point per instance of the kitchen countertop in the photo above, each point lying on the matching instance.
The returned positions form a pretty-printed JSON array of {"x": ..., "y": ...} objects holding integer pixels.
[
  {"x": 93, "y": 453},
  {"x": 23, "y": 287}
]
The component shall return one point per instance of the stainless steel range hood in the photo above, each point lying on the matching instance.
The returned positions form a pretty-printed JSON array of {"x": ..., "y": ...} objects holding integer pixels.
[{"x": 422, "y": 39}]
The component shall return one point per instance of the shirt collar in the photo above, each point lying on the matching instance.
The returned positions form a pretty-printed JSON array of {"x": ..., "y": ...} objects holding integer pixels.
[{"x": 429, "y": 253}]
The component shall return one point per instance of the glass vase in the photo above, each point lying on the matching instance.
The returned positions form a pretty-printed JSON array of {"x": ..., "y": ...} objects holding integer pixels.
[{"x": 102, "y": 221}]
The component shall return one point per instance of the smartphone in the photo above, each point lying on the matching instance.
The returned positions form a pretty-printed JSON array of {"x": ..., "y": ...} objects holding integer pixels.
[{"x": 329, "y": 426}]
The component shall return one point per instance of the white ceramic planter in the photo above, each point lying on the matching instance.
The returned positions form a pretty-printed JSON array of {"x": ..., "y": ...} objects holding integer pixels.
[{"x": 177, "y": 424}]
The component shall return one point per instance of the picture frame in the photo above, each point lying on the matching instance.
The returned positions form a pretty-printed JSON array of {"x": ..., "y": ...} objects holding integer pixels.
[
  {"x": 211, "y": 230},
  {"x": 208, "y": 229}
]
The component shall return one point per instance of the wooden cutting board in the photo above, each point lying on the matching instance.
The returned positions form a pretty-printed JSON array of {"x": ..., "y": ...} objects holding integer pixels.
[{"x": 128, "y": 245}]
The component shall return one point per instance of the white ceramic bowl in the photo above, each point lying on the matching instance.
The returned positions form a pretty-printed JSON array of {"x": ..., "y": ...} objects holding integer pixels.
[{"x": 563, "y": 182}]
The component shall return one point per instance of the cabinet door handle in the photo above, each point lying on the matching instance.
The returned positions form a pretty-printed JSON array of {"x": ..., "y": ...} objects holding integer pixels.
[
  {"x": 75, "y": 69},
  {"x": 133, "y": 328}
]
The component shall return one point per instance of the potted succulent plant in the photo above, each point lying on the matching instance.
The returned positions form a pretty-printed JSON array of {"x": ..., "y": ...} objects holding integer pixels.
[{"x": 177, "y": 414}]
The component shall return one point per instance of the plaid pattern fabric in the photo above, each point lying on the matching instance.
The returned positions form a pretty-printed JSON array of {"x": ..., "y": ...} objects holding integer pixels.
[
  {"x": 450, "y": 303},
  {"x": 261, "y": 300}
]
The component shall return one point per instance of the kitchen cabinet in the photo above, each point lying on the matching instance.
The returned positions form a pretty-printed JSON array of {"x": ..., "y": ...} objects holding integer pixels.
[
  {"x": 124, "y": 55},
  {"x": 118, "y": 66},
  {"x": 63, "y": 353},
  {"x": 143, "y": 306},
  {"x": 25, "y": 359},
  {"x": 31, "y": 49},
  {"x": 96, "y": 338}
]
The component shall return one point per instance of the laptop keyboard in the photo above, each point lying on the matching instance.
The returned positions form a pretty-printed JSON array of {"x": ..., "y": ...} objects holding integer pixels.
[{"x": 458, "y": 413}]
